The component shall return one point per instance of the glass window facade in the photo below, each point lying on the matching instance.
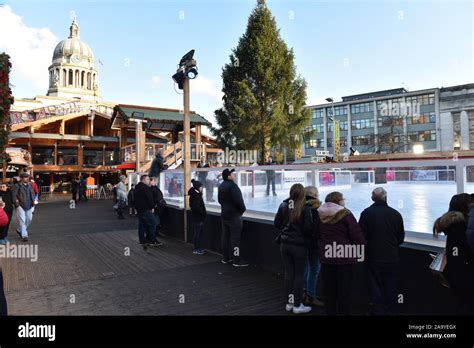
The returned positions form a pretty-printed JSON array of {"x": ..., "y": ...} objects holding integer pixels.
[
  {"x": 317, "y": 113},
  {"x": 67, "y": 156},
  {"x": 426, "y": 117},
  {"x": 42, "y": 155},
  {"x": 422, "y": 136},
  {"x": 362, "y": 124},
  {"x": 362, "y": 140},
  {"x": 363, "y": 107}
]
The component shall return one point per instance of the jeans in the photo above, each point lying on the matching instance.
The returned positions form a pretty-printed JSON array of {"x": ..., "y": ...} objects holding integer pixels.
[
  {"x": 198, "y": 228},
  {"x": 24, "y": 219},
  {"x": 231, "y": 236},
  {"x": 3, "y": 300},
  {"x": 294, "y": 259},
  {"x": 382, "y": 288},
  {"x": 337, "y": 281},
  {"x": 146, "y": 227},
  {"x": 272, "y": 181},
  {"x": 311, "y": 274},
  {"x": 4, "y": 229}
]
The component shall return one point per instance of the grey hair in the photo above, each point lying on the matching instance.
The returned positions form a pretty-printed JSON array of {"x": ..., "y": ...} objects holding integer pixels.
[{"x": 379, "y": 194}]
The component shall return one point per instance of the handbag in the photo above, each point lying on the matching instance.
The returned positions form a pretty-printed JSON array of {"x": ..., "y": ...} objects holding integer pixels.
[{"x": 438, "y": 266}]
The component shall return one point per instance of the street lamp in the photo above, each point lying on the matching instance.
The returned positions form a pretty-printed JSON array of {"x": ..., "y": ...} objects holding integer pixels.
[
  {"x": 138, "y": 118},
  {"x": 187, "y": 70},
  {"x": 333, "y": 119}
]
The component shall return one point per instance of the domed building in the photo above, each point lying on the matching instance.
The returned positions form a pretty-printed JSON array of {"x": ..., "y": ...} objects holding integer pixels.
[{"x": 72, "y": 73}]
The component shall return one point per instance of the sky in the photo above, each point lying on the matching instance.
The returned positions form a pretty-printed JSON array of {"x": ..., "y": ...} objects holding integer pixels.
[{"x": 341, "y": 47}]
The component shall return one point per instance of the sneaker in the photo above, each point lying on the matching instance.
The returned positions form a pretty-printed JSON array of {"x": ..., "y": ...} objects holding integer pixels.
[
  {"x": 289, "y": 307},
  {"x": 274, "y": 194},
  {"x": 301, "y": 309},
  {"x": 25, "y": 239},
  {"x": 240, "y": 264},
  {"x": 225, "y": 262},
  {"x": 198, "y": 252},
  {"x": 156, "y": 244},
  {"x": 203, "y": 251}
]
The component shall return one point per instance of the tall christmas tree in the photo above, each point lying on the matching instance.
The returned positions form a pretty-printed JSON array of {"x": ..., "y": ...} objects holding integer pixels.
[{"x": 263, "y": 98}]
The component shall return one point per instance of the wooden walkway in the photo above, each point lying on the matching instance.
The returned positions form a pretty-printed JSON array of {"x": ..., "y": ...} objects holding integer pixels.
[{"x": 90, "y": 263}]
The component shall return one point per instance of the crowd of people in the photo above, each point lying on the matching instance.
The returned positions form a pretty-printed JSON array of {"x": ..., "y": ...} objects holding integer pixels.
[
  {"x": 323, "y": 241},
  {"x": 318, "y": 241}
]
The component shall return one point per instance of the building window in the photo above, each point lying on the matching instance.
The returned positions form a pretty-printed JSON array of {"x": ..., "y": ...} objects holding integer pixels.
[
  {"x": 389, "y": 121},
  {"x": 343, "y": 126},
  {"x": 67, "y": 156},
  {"x": 338, "y": 111},
  {"x": 362, "y": 140},
  {"x": 362, "y": 124},
  {"x": 42, "y": 155},
  {"x": 70, "y": 77},
  {"x": 319, "y": 127},
  {"x": 422, "y": 136},
  {"x": 329, "y": 142},
  {"x": 317, "y": 113},
  {"x": 363, "y": 107},
  {"x": 343, "y": 141},
  {"x": 431, "y": 99},
  {"x": 427, "y": 117},
  {"x": 312, "y": 143}
]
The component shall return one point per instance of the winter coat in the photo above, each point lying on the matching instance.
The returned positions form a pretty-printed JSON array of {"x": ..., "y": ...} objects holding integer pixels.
[
  {"x": 131, "y": 197},
  {"x": 7, "y": 197},
  {"x": 338, "y": 231},
  {"x": 314, "y": 204},
  {"x": 157, "y": 166},
  {"x": 470, "y": 228},
  {"x": 3, "y": 218},
  {"x": 23, "y": 196},
  {"x": 460, "y": 259},
  {"x": 294, "y": 233},
  {"x": 196, "y": 203},
  {"x": 121, "y": 192},
  {"x": 158, "y": 200},
  {"x": 143, "y": 198},
  {"x": 231, "y": 200},
  {"x": 270, "y": 173},
  {"x": 384, "y": 231}
]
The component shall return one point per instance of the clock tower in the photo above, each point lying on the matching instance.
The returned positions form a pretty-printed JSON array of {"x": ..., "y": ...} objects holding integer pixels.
[{"x": 72, "y": 73}]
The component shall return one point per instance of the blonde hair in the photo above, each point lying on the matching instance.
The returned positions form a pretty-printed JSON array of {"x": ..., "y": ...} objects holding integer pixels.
[{"x": 311, "y": 191}]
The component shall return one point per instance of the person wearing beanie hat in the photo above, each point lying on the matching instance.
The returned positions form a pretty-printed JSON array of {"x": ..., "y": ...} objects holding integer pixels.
[
  {"x": 198, "y": 210},
  {"x": 232, "y": 208}
]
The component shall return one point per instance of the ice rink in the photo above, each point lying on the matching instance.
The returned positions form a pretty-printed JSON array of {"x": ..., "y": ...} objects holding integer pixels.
[{"x": 419, "y": 203}]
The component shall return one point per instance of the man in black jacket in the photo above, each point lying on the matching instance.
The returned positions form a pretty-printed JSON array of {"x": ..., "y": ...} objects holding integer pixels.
[
  {"x": 157, "y": 199},
  {"x": 158, "y": 165},
  {"x": 384, "y": 231},
  {"x": 270, "y": 176},
  {"x": 232, "y": 208},
  {"x": 145, "y": 204}
]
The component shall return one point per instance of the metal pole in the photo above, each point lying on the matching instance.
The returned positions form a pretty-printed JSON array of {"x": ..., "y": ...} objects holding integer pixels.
[
  {"x": 137, "y": 146},
  {"x": 333, "y": 129},
  {"x": 186, "y": 154}
]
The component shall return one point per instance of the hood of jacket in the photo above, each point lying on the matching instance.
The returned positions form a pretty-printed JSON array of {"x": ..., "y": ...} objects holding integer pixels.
[
  {"x": 448, "y": 219},
  {"x": 332, "y": 213},
  {"x": 313, "y": 203}
]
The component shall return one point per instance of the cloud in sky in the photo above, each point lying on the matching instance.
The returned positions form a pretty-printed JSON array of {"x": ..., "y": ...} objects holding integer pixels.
[
  {"x": 30, "y": 48},
  {"x": 155, "y": 81},
  {"x": 205, "y": 86}
]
